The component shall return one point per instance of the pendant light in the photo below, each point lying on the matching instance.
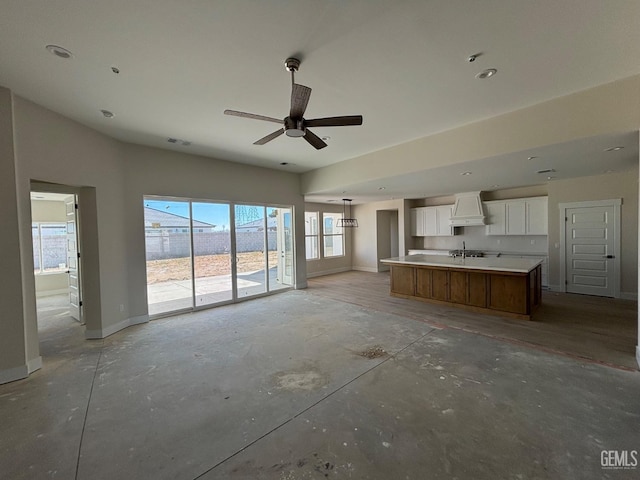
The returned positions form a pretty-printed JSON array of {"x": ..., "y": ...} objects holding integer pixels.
[{"x": 347, "y": 221}]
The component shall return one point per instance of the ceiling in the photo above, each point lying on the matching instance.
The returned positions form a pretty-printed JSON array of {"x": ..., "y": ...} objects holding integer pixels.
[{"x": 403, "y": 65}]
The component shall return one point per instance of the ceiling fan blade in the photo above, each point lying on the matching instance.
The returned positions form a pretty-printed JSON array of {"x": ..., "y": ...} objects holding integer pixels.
[
  {"x": 334, "y": 121},
  {"x": 314, "y": 140},
  {"x": 269, "y": 137},
  {"x": 253, "y": 116},
  {"x": 299, "y": 100}
]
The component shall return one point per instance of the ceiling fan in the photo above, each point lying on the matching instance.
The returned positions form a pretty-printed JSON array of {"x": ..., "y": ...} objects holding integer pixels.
[{"x": 295, "y": 125}]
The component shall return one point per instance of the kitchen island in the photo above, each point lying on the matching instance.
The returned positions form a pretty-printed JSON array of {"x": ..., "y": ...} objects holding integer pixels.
[{"x": 502, "y": 286}]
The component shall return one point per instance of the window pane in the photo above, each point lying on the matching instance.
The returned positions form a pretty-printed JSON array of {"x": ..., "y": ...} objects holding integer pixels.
[
  {"x": 331, "y": 223},
  {"x": 35, "y": 234},
  {"x": 332, "y": 235},
  {"x": 168, "y": 251},
  {"x": 250, "y": 249},
  {"x": 54, "y": 247},
  {"x": 311, "y": 223},
  {"x": 333, "y": 246},
  {"x": 311, "y": 247}
]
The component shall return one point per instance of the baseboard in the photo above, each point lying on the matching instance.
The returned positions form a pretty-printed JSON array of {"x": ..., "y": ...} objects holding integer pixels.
[
  {"x": 366, "y": 269},
  {"x": 328, "y": 272},
  {"x": 13, "y": 374},
  {"x": 111, "y": 329},
  {"x": 555, "y": 288},
  {"x": 638, "y": 355},
  {"x": 629, "y": 296},
  {"x": 34, "y": 364},
  {"x": 301, "y": 285},
  {"x": 51, "y": 293}
]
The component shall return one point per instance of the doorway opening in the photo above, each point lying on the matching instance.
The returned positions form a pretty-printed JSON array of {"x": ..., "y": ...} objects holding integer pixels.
[
  {"x": 54, "y": 232},
  {"x": 203, "y": 253},
  {"x": 387, "y": 244}
]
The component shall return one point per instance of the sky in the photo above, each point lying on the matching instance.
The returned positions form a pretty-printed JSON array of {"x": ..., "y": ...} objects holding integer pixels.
[{"x": 213, "y": 213}]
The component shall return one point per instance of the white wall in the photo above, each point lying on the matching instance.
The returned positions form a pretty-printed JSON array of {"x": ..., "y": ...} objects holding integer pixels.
[
  {"x": 151, "y": 171},
  {"x": 13, "y": 355},
  {"x": 110, "y": 178},
  {"x": 622, "y": 185},
  {"x": 365, "y": 248}
]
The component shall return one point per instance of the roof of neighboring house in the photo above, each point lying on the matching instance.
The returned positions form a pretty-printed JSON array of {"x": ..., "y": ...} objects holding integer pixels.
[
  {"x": 169, "y": 220},
  {"x": 257, "y": 225}
]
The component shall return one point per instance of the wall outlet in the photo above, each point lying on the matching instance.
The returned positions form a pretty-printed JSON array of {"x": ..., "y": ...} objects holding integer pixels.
[
  {"x": 557, "y": 245},
  {"x": 533, "y": 242},
  {"x": 498, "y": 241},
  {"x": 121, "y": 308}
]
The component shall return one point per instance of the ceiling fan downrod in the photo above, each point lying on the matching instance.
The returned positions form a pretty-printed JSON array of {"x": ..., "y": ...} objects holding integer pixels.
[{"x": 292, "y": 65}]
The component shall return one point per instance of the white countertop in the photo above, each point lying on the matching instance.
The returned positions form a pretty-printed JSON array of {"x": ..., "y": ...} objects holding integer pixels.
[{"x": 499, "y": 264}]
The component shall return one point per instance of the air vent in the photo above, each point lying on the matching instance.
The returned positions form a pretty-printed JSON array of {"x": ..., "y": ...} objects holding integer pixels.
[{"x": 546, "y": 170}]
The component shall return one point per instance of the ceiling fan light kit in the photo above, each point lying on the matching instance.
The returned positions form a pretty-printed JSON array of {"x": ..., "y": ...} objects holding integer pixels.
[{"x": 295, "y": 125}]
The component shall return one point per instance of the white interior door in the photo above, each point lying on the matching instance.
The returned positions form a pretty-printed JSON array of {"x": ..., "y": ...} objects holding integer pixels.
[
  {"x": 73, "y": 260},
  {"x": 590, "y": 250}
]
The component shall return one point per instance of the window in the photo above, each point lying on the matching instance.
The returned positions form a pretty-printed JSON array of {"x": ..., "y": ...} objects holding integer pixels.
[
  {"x": 49, "y": 247},
  {"x": 311, "y": 235},
  {"x": 332, "y": 235}
]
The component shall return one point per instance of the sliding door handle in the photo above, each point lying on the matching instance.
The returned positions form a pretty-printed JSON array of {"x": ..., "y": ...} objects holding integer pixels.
[{"x": 609, "y": 256}]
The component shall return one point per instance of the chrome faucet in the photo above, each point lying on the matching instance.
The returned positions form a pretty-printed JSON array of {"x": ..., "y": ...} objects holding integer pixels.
[{"x": 464, "y": 250}]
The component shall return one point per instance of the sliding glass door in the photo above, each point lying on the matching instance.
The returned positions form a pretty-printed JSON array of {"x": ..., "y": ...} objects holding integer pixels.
[
  {"x": 202, "y": 253},
  {"x": 212, "y": 253},
  {"x": 167, "y": 225},
  {"x": 251, "y": 257}
]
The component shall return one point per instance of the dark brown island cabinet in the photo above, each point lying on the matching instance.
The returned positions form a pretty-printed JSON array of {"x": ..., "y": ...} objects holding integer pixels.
[{"x": 509, "y": 287}]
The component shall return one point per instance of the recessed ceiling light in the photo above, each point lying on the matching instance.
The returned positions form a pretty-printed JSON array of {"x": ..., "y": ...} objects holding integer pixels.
[
  {"x": 546, "y": 170},
  {"x": 489, "y": 72},
  {"x": 59, "y": 51},
  {"x": 466, "y": 173},
  {"x": 495, "y": 186},
  {"x": 531, "y": 157},
  {"x": 613, "y": 149},
  {"x": 107, "y": 114},
  {"x": 381, "y": 188},
  {"x": 284, "y": 163},
  {"x": 326, "y": 137},
  {"x": 115, "y": 70},
  {"x": 550, "y": 178}
]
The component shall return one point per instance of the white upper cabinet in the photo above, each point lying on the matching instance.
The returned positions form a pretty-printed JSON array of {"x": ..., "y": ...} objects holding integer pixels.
[
  {"x": 522, "y": 216},
  {"x": 431, "y": 221},
  {"x": 516, "y": 221},
  {"x": 496, "y": 218},
  {"x": 537, "y": 216}
]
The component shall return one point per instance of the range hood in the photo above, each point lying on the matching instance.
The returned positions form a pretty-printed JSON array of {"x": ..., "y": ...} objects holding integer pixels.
[{"x": 467, "y": 211}]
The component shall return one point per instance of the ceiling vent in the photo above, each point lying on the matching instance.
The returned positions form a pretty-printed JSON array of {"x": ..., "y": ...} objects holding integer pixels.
[{"x": 467, "y": 211}]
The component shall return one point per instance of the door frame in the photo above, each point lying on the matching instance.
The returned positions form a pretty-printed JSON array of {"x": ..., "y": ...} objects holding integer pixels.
[{"x": 616, "y": 204}]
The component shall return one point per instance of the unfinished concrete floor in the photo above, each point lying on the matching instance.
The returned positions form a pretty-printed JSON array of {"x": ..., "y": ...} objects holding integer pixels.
[{"x": 299, "y": 386}]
